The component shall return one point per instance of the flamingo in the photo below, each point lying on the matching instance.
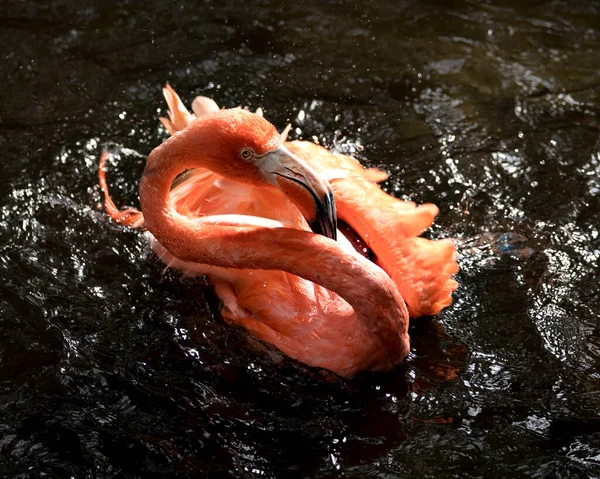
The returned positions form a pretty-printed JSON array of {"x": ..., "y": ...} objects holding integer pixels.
[{"x": 256, "y": 214}]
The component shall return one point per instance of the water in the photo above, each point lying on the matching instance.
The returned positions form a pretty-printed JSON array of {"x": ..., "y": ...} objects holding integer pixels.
[{"x": 110, "y": 368}]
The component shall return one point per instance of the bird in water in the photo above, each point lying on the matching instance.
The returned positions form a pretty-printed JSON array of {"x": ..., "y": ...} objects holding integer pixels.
[{"x": 228, "y": 197}]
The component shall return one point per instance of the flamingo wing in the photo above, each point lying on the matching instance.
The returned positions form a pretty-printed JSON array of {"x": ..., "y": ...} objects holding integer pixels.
[{"x": 422, "y": 269}]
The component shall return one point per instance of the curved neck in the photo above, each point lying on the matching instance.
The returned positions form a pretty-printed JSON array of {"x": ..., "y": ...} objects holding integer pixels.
[{"x": 365, "y": 286}]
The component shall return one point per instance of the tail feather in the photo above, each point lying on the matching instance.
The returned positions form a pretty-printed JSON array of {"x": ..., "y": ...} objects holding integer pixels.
[
  {"x": 179, "y": 116},
  {"x": 375, "y": 175},
  {"x": 422, "y": 269},
  {"x": 129, "y": 217},
  {"x": 203, "y": 105}
]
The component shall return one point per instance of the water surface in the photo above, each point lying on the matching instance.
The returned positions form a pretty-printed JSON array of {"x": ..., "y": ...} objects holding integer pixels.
[{"x": 110, "y": 368}]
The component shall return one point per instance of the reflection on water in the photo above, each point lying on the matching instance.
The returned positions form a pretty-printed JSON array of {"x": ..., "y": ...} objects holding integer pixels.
[{"x": 109, "y": 367}]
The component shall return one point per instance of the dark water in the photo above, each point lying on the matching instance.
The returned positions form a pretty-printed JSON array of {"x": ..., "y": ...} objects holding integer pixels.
[{"x": 108, "y": 368}]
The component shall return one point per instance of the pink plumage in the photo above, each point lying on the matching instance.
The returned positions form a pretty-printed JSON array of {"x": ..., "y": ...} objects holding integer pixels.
[{"x": 238, "y": 222}]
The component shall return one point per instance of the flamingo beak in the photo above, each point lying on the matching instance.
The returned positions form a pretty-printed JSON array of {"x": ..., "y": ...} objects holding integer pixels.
[{"x": 302, "y": 185}]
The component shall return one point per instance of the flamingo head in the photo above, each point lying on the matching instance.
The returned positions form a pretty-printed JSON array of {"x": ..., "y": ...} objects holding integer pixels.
[{"x": 245, "y": 147}]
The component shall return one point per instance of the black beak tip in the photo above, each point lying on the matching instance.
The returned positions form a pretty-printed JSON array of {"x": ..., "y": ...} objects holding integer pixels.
[{"x": 325, "y": 221}]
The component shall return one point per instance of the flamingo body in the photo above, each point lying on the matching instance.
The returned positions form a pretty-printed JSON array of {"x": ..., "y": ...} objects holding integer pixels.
[{"x": 315, "y": 299}]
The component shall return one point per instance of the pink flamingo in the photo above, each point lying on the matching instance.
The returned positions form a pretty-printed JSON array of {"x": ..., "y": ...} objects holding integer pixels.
[{"x": 245, "y": 214}]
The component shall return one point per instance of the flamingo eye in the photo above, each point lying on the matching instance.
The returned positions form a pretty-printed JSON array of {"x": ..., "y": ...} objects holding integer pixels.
[{"x": 246, "y": 154}]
